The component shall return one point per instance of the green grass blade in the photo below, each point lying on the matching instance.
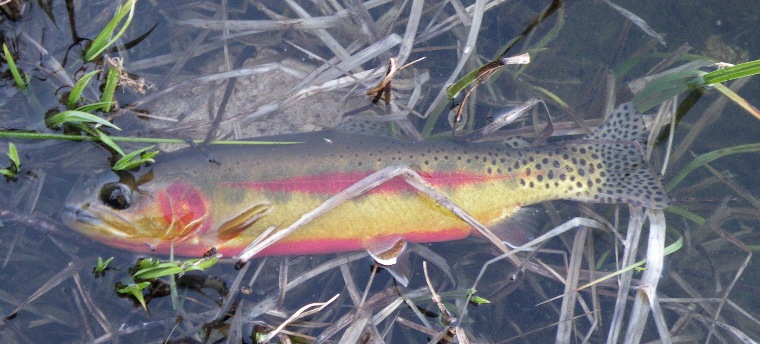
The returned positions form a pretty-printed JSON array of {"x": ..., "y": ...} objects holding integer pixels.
[
  {"x": 92, "y": 107},
  {"x": 741, "y": 70},
  {"x": 76, "y": 91},
  {"x": 102, "y": 42},
  {"x": 13, "y": 155},
  {"x": 20, "y": 83},
  {"x": 708, "y": 157},
  {"x": 12, "y": 170},
  {"x": 668, "y": 250},
  {"x": 548, "y": 38},
  {"x": 112, "y": 80},
  {"x": 686, "y": 214},
  {"x": 108, "y": 141},
  {"x": 737, "y": 99},
  {"x": 129, "y": 161},
  {"x": 100, "y": 268},
  {"x": 74, "y": 116},
  {"x": 136, "y": 291},
  {"x": 463, "y": 82},
  {"x": 175, "y": 267},
  {"x": 62, "y": 137},
  {"x": 665, "y": 87},
  {"x": 176, "y": 303}
]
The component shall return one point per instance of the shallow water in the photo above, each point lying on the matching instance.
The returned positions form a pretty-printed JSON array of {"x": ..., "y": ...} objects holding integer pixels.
[{"x": 593, "y": 40}]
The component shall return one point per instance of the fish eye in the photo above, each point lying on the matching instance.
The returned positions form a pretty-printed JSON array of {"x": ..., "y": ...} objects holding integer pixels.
[{"x": 116, "y": 195}]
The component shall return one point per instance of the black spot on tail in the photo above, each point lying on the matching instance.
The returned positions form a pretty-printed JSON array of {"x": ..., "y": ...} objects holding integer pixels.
[{"x": 628, "y": 178}]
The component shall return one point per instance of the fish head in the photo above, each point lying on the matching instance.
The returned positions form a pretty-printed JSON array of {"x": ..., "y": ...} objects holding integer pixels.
[{"x": 138, "y": 214}]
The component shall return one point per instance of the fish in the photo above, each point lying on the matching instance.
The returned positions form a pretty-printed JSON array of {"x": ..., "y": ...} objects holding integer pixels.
[{"x": 224, "y": 198}]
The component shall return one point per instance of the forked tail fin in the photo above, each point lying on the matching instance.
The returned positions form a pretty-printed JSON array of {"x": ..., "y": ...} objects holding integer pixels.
[{"x": 627, "y": 176}]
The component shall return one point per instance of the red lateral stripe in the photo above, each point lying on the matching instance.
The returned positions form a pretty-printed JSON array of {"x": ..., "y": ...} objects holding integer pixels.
[
  {"x": 332, "y": 183},
  {"x": 283, "y": 247},
  {"x": 331, "y": 245}
]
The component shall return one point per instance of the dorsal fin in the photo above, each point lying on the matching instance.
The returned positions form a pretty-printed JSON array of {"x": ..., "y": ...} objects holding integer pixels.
[
  {"x": 623, "y": 124},
  {"x": 364, "y": 126}
]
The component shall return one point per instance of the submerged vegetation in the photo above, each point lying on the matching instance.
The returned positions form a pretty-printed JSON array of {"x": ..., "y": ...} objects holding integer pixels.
[
  {"x": 592, "y": 278},
  {"x": 11, "y": 171}
]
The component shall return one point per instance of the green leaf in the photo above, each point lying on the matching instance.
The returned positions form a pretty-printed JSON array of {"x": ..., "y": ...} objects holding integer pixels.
[
  {"x": 479, "y": 300},
  {"x": 668, "y": 250},
  {"x": 737, "y": 99},
  {"x": 49, "y": 136},
  {"x": 101, "y": 267},
  {"x": 739, "y": 71},
  {"x": 20, "y": 83},
  {"x": 686, "y": 214},
  {"x": 164, "y": 269},
  {"x": 74, "y": 116},
  {"x": 12, "y": 171},
  {"x": 148, "y": 263},
  {"x": 76, "y": 91},
  {"x": 665, "y": 87},
  {"x": 103, "y": 137},
  {"x": 468, "y": 79},
  {"x": 129, "y": 162},
  {"x": 97, "y": 106},
  {"x": 13, "y": 155},
  {"x": 102, "y": 42},
  {"x": 112, "y": 80},
  {"x": 708, "y": 157},
  {"x": 136, "y": 291}
]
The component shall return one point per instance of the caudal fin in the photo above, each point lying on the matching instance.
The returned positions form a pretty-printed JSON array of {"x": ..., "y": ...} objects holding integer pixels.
[{"x": 627, "y": 178}]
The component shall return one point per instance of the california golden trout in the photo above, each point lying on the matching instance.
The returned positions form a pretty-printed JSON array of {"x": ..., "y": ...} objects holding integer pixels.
[{"x": 227, "y": 196}]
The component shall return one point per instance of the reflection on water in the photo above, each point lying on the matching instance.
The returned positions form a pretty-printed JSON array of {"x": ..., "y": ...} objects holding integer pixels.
[{"x": 296, "y": 80}]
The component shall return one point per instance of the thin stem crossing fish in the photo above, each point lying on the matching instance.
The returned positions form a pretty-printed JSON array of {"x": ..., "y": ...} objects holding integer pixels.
[{"x": 228, "y": 197}]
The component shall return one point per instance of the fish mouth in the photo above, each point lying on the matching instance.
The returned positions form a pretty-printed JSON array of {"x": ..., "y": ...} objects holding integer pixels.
[
  {"x": 73, "y": 214},
  {"x": 99, "y": 222}
]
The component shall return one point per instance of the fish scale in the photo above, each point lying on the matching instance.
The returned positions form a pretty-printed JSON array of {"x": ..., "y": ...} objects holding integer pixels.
[{"x": 228, "y": 196}]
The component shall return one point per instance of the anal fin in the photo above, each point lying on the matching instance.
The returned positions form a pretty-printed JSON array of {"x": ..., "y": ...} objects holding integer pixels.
[
  {"x": 520, "y": 228},
  {"x": 393, "y": 256}
]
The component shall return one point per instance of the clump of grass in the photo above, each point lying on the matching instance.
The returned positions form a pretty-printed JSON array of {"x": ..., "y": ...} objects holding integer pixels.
[
  {"x": 81, "y": 116},
  {"x": 135, "y": 290},
  {"x": 87, "y": 123},
  {"x": 146, "y": 276},
  {"x": 102, "y": 266},
  {"x": 155, "y": 268},
  {"x": 84, "y": 120}
]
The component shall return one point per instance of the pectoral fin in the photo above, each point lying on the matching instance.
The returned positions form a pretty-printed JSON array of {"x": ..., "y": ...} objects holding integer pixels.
[{"x": 232, "y": 228}]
